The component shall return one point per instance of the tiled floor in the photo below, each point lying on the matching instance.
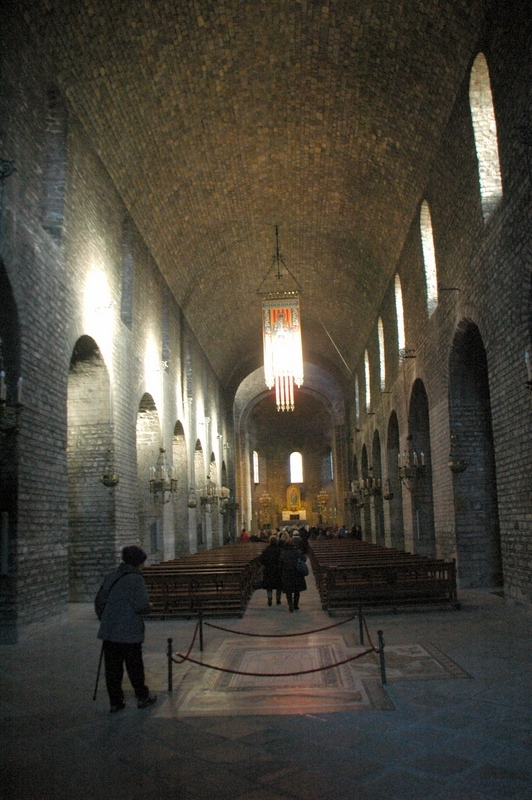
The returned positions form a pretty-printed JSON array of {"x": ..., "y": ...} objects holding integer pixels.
[{"x": 444, "y": 739}]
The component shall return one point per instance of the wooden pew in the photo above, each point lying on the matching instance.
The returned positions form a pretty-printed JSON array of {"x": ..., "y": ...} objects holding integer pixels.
[
  {"x": 350, "y": 574},
  {"x": 216, "y": 582}
]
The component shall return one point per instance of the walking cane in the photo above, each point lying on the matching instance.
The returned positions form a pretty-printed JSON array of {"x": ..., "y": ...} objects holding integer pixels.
[{"x": 98, "y": 674}]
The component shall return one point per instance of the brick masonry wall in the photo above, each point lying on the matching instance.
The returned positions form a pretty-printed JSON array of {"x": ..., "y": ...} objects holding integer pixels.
[
  {"x": 488, "y": 263},
  {"x": 64, "y": 292}
]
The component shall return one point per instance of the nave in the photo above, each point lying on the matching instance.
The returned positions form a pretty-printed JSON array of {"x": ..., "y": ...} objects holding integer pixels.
[{"x": 462, "y": 732}]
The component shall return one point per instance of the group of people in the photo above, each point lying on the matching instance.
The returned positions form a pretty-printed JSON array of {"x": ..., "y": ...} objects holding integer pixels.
[{"x": 281, "y": 568}]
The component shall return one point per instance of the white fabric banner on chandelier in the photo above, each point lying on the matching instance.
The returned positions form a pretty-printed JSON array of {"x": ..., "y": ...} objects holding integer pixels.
[{"x": 283, "y": 356}]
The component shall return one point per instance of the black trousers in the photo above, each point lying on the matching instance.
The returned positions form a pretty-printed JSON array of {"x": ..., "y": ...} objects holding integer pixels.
[{"x": 116, "y": 654}]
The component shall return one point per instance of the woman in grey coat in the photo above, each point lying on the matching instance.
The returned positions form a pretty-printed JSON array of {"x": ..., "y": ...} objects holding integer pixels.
[{"x": 120, "y": 603}]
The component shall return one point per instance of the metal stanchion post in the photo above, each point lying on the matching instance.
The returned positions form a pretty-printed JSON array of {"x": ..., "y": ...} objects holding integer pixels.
[
  {"x": 381, "y": 655},
  {"x": 170, "y": 665},
  {"x": 201, "y": 631},
  {"x": 361, "y": 626}
]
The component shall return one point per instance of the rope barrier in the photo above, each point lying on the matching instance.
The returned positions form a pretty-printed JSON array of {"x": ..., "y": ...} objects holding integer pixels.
[
  {"x": 275, "y": 674},
  {"x": 278, "y": 635},
  {"x": 368, "y": 633},
  {"x": 179, "y": 658},
  {"x": 185, "y": 658}
]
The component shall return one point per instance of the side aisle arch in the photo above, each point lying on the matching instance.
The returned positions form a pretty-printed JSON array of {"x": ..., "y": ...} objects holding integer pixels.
[
  {"x": 474, "y": 489},
  {"x": 91, "y": 506}
]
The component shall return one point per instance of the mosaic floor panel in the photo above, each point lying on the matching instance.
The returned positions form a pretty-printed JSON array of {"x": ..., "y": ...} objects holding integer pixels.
[{"x": 349, "y": 687}]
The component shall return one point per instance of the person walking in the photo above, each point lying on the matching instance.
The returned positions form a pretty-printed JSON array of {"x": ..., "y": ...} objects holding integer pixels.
[
  {"x": 271, "y": 575},
  {"x": 292, "y": 581},
  {"x": 120, "y": 603}
]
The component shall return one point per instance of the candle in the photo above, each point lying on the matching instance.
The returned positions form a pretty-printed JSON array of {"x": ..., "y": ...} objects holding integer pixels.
[
  {"x": 19, "y": 390},
  {"x": 2, "y": 385}
]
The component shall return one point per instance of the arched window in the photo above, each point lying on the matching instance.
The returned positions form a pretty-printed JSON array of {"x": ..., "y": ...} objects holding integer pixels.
[
  {"x": 429, "y": 257},
  {"x": 368, "y": 381},
  {"x": 399, "y": 310},
  {"x": 296, "y": 468},
  {"x": 382, "y": 358},
  {"x": 255, "y": 467},
  {"x": 485, "y": 131}
]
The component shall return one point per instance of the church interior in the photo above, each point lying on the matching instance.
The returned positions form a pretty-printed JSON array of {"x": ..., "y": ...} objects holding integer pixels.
[{"x": 358, "y": 176}]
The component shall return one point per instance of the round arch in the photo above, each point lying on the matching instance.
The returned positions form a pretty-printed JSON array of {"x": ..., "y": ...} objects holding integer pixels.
[
  {"x": 91, "y": 506},
  {"x": 475, "y": 489},
  {"x": 424, "y": 538}
]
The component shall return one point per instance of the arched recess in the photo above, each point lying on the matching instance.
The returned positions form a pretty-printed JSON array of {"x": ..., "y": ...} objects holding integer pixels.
[
  {"x": 200, "y": 478},
  {"x": 424, "y": 539},
  {"x": 150, "y": 510},
  {"x": 91, "y": 507},
  {"x": 366, "y": 511},
  {"x": 355, "y": 510},
  {"x": 10, "y": 348},
  {"x": 180, "y": 462},
  {"x": 216, "y": 539},
  {"x": 378, "y": 507},
  {"x": 227, "y": 513},
  {"x": 397, "y": 529},
  {"x": 475, "y": 490}
]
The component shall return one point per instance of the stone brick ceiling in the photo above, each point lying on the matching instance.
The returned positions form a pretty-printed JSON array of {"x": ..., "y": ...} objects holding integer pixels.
[{"x": 219, "y": 120}]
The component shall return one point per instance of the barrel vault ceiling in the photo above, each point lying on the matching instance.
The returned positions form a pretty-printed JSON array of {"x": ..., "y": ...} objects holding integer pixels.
[{"x": 220, "y": 119}]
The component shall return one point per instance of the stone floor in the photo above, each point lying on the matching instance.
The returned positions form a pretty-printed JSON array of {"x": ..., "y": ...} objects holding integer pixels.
[{"x": 461, "y": 730}]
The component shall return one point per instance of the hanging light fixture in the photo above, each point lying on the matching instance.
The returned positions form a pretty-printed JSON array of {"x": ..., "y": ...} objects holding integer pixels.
[
  {"x": 163, "y": 479},
  {"x": 281, "y": 330}
]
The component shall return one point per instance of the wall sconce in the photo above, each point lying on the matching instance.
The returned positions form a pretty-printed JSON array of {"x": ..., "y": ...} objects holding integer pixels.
[
  {"x": 225, "y": 495},
  {"x": 163, "y": 480},
  {"x": 110, "y": 478},
  {"x": 388, "y": 493},
  {"x": 209, "y": 494},
  {"x": 455, "y": 463},
  {"x": 371, "y": 486},
  {"x": 356, "y": 494},
  {"x": 411, "y": 466}
]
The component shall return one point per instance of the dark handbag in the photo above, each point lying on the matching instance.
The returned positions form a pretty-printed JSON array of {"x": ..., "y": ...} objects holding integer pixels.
[{"x": 301, "y": 567}]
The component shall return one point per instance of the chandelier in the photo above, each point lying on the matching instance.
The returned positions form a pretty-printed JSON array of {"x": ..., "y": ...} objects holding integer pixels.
[
  {"x": 281, "y": 330},
  {"x": 163, "y": 479}
]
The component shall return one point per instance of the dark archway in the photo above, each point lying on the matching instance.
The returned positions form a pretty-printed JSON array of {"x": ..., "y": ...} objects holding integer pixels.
[
  {"x": 10, "y": 364},
  {"x": 474, "y": 490},
  {"x": 91, "y": 506},
  {"x": 397, "y": 529},
  {"x": 378, "y": 503},
  {"x": 150, "y": 512},
  {"x": 200, "y": 479},
  {"x": 424, "y": 539},
  {"x": 181, "y": 513},
  {"x": 366, "y": 511}
]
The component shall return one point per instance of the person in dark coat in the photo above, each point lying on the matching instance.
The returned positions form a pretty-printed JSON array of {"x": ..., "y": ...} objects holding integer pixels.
[
  {"x": 271, "y": 575},
  {"x": 292, "y": 581},
  {"x": 120, "y": 603}
]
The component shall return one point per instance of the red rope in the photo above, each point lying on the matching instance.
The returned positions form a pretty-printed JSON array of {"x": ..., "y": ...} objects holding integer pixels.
[
  {"x": 275, "y": 674},
  {"x": 184, "y": 658},
  {"x": 368, "y": 634},
  {"x": 279, "y": 635}
]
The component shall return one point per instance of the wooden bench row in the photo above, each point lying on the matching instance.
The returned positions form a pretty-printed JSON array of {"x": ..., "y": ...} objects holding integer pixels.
[
  {"x": 350, "y": 574},
  {"x": 216, "y": 582}
]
